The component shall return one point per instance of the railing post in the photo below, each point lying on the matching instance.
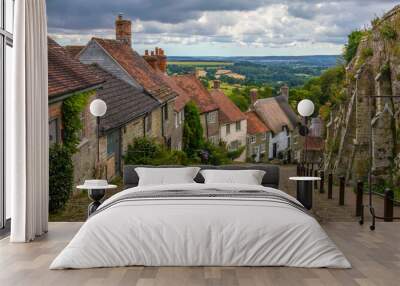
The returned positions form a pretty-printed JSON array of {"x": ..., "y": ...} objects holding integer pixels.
[
  {"x": 330, "y": 185},
  {"x": 311, "y": 169},
  {"x": 298, "y": 171},
  {"x": 388, "y": 205},
  {"x": 359, "y": 200},
  {"x": 322, "y": 182},
  {"x": 316, "y": 182},
  {"x": 341, "y": 191}
]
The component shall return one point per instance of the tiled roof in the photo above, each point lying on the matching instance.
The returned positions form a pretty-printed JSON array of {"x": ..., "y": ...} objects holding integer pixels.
[
  {"x": 255, "y": 124},
  {"x": 198, "y": 93},
  {"x": 183, "y": 96},
  {"x": 67, "y": 75},
  {"x": 314, "y": 143},
  {"x": 138, "y": 68},
  {"x": 74, "y": 50},
  {"x": 228, "y": 111},
  {"x": 124, "y": 102},
  {"x": 276, "y": 113}
]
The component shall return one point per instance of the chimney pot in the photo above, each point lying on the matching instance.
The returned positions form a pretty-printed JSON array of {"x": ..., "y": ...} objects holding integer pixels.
[
  {"x": 146, "y": 52},
  {"x": 152, "y": 53},
  {"x": 285, "y": 92},
  {"x": 253, "y": 97}
]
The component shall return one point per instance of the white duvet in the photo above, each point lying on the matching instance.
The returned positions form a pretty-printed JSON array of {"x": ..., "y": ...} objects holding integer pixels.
[{"x": 200, "y": 232}]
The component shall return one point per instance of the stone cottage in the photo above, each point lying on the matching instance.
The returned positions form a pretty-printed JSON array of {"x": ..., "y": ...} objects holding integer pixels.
[
  {"x": 68, "y": 77},
  {"x": 282, "y": 121},
  {"x": 257, "y": 134},
  {"x": 118, "y": 58},
  {"x": 232, "y": 122},
  {"x": 209, "y": 115},
  {"x": 125, "y": 119}
]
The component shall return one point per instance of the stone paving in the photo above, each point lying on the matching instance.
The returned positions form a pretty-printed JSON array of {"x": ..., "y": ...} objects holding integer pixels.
[{"x": 329, "y": 210}]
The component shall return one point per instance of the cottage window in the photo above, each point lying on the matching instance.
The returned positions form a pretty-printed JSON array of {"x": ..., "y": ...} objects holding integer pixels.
[
  {"x": 181, "y": 116},
  {"x": 147, "y": 122},
  {"x": 54, "y": 131},
  {"x": 228, "y": 129},
  {"x": 262, "y": 148},
  {"x": 212, "y": 117},
  {"x": 213, "y": 139},
  {"x": 165, "y": 112},
  {"x": 176, "y": 116},
  {"x": 253, "y": 139},
  {"x": 264, "y": 136},
  {"x": 112, "y": 141},
  {"x": 238, "y": 125}
]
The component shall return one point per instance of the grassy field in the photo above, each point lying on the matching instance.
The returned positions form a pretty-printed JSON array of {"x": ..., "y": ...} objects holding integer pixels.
[{"x": 200, "y": 63}]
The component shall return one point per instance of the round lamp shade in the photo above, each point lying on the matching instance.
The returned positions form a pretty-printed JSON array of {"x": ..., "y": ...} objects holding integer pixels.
[
  {"x": 98, "y": 107},
  {"x": 305, "y": 107}
]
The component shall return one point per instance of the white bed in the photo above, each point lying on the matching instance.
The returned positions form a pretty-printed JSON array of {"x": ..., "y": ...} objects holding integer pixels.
[{"x": 200, "y": 231}]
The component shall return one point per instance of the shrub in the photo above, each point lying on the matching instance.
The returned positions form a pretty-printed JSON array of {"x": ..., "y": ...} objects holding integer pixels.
[
  {"x": 351, "y": 47},
  {"x": 61, "y": 176},
  {"x": 367, "y": 52},
  {"x": 388, "y": 32},
  {"x": 192, "y": 138},
  {"x": 146, "y": 151}
]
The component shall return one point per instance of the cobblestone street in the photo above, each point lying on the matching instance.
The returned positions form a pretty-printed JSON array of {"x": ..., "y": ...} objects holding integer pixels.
[{"x": 329, "y": 210}]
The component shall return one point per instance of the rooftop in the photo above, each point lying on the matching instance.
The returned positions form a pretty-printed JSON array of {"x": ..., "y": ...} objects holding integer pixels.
[
  {"x": 228, "y": 111},
  {"x": 255, "y": 124},
  {"x": 138, "y": 68},
  {"x": 198, "y": 93},
  {"x": 74, "y": 50},
  {"x": 276, "y": 113},
  {"x": 66, "y": 74},
  {"x": 124, "y": 102}
]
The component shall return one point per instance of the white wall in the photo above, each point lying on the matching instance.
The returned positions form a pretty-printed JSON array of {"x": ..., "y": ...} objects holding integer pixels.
[
  {"x": 282, "y": 142},
  {"x": 235, "y": 136}
]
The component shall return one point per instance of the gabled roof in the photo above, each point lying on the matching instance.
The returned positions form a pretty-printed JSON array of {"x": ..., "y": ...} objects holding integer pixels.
[
  {"x": 255, "y": 124},
  {"x": 183, "y": 96},
  {"x": 74, "y": 50},
  {"x": 228, "y": 111},
  {"x": 124, "y": 102},
  {"x": 137, "y": 68},
  {"x": 198, "y": 93},
  {"x": 276, "y": 113},
  {"x": 66, "y": 74}
]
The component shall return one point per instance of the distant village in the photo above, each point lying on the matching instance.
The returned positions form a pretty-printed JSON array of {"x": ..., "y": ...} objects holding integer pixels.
[{"x": 144, "y": 101}]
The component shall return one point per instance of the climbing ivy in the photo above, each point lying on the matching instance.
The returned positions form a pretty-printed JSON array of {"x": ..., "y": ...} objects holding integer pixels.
[{"x": 71, "y": 110}]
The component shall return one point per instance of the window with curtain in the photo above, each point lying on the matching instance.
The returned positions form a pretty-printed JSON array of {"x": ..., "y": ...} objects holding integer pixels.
[{"x": 6, "y": 61}]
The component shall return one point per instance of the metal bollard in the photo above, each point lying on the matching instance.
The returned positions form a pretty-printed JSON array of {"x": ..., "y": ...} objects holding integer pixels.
[
  {"x": 341, "y": 191},
  {"x": 322, "y": 182},
  {"x": 388, "y": 205},
  {"x": 330, "y": 185},
  {"x": 359, "y": 200}
]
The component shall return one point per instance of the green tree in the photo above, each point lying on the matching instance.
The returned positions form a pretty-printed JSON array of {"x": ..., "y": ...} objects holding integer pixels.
[
  {"x": 351, "y": 47},
  {"x": 192, "y": 139}
]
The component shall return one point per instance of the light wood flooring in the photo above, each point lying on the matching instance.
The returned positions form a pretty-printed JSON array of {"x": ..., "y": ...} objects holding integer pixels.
[{"x": 375, "y": 257}]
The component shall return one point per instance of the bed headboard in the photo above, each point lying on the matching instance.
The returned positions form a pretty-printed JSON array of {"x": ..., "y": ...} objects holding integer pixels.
[{"x": 270, "y": 179}]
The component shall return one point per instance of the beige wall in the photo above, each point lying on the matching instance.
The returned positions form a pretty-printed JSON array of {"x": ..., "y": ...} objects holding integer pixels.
[{"x": 234, "y": 135}]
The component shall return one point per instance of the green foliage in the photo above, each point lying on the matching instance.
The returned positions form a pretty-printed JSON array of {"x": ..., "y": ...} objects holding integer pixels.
[
  {"x": 240, "y": 101},
  {"x": 71, "y": 110},
  {"x": 367, "y": 52},
  {"x": 146, "y": 151},
  {"x": 385, "y": 71},
  {"x": 232, "y": 155},
  {"x": 388, "y": 32},
  {"x": 192, "y": 138},
  {"x": 328, "y": 88},
  {"x": 375, "y": 21},
  {"x": 61, "y": 175},
  {"x": 353, "y": 42}
]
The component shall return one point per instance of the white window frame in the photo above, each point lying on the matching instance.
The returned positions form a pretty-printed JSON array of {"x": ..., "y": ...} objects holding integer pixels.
[
  {"x": 238, "y": 126},
  {"x": 212, "y": 117},
  {"x": 253, "y": 139},
  {"x": 228, "y": 129},
  {"x": 264, "y": 136}
]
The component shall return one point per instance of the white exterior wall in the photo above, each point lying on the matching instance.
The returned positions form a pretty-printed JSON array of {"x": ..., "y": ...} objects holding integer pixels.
[
  {"x": 282, "y": 142},
  {"x": 235, "y": 136}
]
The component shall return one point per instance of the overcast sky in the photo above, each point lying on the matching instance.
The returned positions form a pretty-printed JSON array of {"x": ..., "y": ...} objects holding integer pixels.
[{"x": 218, "y": 27}]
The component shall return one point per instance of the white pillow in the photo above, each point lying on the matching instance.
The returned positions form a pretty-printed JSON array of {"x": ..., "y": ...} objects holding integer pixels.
[
  {"x": 247, "y": 177},
  {"x": 166, "y": 176}
]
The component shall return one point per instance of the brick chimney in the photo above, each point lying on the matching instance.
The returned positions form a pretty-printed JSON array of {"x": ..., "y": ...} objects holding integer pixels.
[
  {"x": 285, "y": 92},
  {"x": 216, "y": 84},
  {"x": 123, "y": 30},
  {"x": 253, "y": 97},
  {"x": 156, "y": 59}
]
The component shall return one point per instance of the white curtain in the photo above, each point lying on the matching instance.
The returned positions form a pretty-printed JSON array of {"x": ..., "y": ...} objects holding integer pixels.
[{"x": 27, "y": 124}]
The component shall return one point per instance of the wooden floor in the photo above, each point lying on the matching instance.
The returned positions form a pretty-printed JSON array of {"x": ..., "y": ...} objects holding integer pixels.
[{"x": 375, "y": 257}]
